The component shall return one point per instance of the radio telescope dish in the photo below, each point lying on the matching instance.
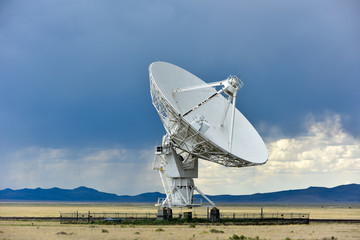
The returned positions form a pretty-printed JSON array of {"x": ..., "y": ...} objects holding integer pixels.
[{"x": 201, "y": 122}]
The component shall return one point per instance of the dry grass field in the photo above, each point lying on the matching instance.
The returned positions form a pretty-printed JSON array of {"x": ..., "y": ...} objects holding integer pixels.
[{"x": 55, "y": 230}]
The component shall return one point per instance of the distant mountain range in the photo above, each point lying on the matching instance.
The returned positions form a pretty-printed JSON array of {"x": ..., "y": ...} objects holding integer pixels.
[{"x": 341, "y": 194}]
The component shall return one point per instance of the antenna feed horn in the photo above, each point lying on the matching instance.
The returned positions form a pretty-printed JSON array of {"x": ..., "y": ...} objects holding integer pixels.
[{"x": 232, "y": 84}]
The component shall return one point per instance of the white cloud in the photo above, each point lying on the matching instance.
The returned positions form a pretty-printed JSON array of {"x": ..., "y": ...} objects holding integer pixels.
[
  {"x": 121, "y": 171},
  {"x": 325, "y": 155},
  {"x": 325, "y": 147}
]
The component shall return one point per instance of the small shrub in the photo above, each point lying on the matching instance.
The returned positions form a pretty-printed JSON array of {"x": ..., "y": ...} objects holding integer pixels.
[
  {"x": 216, "y": 231},
  {"x": 136, "y": 233},
  {"x": 192, "y": 226},
  {"x": 234, "y": 236},
  {"x": 104, "y": 231},
  {"x": 64, "y": 233},
  {"x": 159, "y": 230},
  {"x": 287, "y": 238},
  {"x": 242, "y": 237}
]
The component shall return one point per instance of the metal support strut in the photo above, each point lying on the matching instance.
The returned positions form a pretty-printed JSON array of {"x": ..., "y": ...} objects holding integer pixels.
[{"x": 230, "y": 86}]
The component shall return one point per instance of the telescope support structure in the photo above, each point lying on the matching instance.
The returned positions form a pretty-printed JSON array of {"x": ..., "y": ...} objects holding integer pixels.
[{"x": 177, "y": 175}]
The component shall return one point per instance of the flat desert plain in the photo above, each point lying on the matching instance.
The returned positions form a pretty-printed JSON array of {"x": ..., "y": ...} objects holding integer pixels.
[{"x": 55, "y": 230}]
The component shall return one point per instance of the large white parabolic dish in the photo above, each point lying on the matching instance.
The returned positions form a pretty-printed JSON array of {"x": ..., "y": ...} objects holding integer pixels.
[{"x": 210, "y": 143}]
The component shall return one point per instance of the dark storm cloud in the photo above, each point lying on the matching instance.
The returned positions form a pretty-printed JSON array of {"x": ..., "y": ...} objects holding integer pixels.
[
  {"x": 76, "y": 72},
  {"x": 73, "y": 74}
]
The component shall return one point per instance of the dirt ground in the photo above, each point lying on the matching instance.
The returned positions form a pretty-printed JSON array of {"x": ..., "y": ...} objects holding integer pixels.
[{"x": 55, "y": 230}]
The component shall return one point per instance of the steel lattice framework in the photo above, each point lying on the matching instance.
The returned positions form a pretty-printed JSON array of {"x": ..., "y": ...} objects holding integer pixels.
[{"x": 186, "y": 138}]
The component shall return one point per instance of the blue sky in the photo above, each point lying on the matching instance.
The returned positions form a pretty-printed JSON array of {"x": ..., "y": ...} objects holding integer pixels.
[{"x": 75, "y": 106}]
